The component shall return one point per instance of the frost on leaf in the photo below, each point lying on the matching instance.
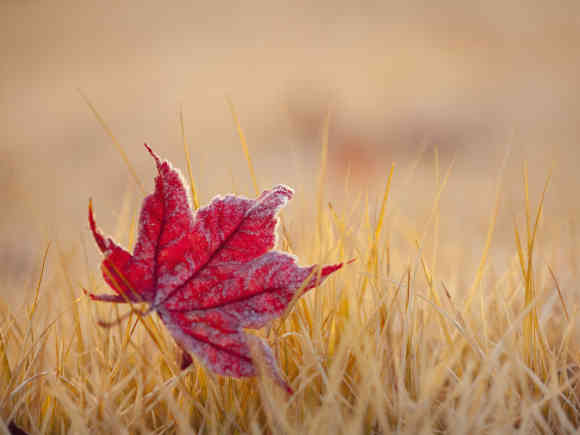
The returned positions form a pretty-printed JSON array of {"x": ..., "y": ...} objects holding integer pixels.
[{"x": 211, "y": 274}]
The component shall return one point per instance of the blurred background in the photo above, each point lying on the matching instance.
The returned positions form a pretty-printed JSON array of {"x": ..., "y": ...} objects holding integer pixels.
[{"x": 401, "y": 79}]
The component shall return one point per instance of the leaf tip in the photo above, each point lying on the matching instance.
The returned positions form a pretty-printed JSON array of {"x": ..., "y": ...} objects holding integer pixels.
[
  {"x": 96, "y": 234},
  {"x": 90, "y": 295},
  {"x": 105, "y": 324},
  {"x": 153, "y": 154},
  {"x": 288, "y": 388},
  {"x": 186, "y": 360},
  {"x": 327, "y": 270},
  {"x": 284, "y": 190}
]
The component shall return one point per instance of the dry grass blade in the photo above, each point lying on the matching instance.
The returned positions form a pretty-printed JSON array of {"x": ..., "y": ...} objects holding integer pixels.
[
  {"x": 488, "y": 239},
  {"x": 188, "y": 160},
  {"x": 244, "y": 144},
  {"x": 373, "y": 260},
  {"x": 114, "y": 140},
  {"x": 246, "y": 151},
  {"x": 322, "y": 172},
  {"x": 559, "y": 293}
]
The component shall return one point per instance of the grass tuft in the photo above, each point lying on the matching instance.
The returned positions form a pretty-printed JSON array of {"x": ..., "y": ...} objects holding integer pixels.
[{"x": 418, "y": 336}]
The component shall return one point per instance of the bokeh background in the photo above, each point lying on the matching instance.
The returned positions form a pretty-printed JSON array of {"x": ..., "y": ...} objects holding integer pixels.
[{"x": 401, "y": 79}]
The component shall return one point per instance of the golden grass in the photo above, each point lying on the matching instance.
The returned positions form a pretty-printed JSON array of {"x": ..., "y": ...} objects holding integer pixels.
[{"x": 386, "y": 345}]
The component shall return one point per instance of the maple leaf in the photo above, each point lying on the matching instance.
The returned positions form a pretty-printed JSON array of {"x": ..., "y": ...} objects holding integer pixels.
[{"x": 209, "y": 275}]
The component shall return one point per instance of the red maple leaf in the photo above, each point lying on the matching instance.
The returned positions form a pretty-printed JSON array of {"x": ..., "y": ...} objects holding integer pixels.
[{"x": 211, "y": 274}]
